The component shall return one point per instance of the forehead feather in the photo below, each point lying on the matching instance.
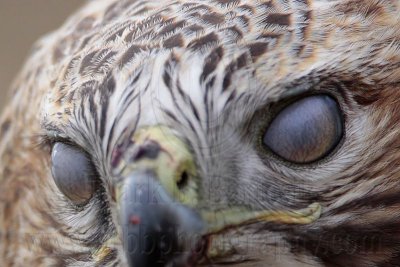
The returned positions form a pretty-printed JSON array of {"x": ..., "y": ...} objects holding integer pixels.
[{"x": 274, "y": 41}]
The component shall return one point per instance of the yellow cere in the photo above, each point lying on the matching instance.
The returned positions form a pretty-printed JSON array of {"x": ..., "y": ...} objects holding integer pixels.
[{"x": 173, "y": 160}]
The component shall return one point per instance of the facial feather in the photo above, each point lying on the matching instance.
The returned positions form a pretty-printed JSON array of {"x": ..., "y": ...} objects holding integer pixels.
[{"x": 214, "y": 71}]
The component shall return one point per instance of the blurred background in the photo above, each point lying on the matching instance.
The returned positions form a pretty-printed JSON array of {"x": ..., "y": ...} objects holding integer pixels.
[{"x": 22, "y": 22}]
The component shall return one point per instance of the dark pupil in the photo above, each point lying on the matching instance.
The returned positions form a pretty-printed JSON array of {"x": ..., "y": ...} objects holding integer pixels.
[{"x": 306, "y": 130}]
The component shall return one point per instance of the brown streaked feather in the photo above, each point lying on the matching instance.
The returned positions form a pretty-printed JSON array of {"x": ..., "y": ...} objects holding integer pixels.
[{"x": 82, "y": 80}]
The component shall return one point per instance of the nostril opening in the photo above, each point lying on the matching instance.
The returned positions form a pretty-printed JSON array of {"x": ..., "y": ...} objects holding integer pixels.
[{"x": 183, "y": 181}]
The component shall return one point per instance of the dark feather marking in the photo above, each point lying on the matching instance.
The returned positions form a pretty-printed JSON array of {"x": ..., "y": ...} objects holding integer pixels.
[
  {"x": 87, "y": 61},
  {"x": 352, "y": 7},
  {"x": 281, "y": 19},
  {"x": 241, "y": 61},
  {"x": 128, "y": 101},
  {"x": 243, "y": 19},
  {"x": 106, "y": 58},
  {"x": 131, "y": 53},
  {"x": 70, "y": 96},
  {"x": 194, "y": 109},
  {"x": 269, "y": 35},
  {"x": 236, "y": 31},
  {"x": 183, "y": 95},
  {"x": 257, "y": 49},
  {"x": 213, "y": 18},
  {"x": 174, "y": 41},
  {"x": 5, "y": 126},
  {"x": 305, "y": 2},
  {"x": 143, "y": 29},
  {"x": 225, "y": 2},
  {"x": 135, "y": 79},
  {"x": 247, "y": 8},
  {"x": 170, "y": 115},
  {"x": 87, "y": 88},
  {"x": 194, "y": 28},
  {"x": 106, "y": 89},
  {"x": 104, "y": 231},
  {"x": 92, "y": 110},
  {"x": 228, "y": 77},
  {"x": 231, "y": 97},
  {"x": 303, "y": 28},
  {"x": 237, "y": 64},
  {"x": 183, "y": 113},
  {"x": 85, "y": 121},
  {"x": 112, "y": 130},
  {"x": 366, "y": 99},
  {"x": 117, "y": 34},
  {"x": 168, "y": 66},
  {"x": 308, "y": 15},
  {"x": 267, "y": 5},
  {"x": 130, "y": 36},
  {"x": 199, "y": 43},
  {"x": 70, "y": 66},
  {"x": 209, "y": 86},
  {"x": 210, "y": 83},
  {"x": 211, "y": 62},
  {"x": 187, "y": 5},
  {"x": 299, "y": 49},
  {"x": 67, "y": 111},
  {"x": 135, "y": 125},
  {"x": 172, "y": 27},
  {"x": 167, "y": 79},
  {"x": 188, "y": 100}
]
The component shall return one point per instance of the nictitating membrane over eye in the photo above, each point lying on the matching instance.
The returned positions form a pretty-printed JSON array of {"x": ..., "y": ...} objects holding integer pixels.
[
  {"x": 306, "y": 130},
  {"x": 73, "y": 172}
]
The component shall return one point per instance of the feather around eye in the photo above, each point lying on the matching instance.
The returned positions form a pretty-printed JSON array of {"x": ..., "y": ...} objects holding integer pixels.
[
  {"x": 73, "y": 172},
  {"x": 306, "y": 130}
]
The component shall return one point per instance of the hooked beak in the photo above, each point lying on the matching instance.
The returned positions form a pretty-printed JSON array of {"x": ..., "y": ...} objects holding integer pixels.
[
  {"x": 156, "y": 230},
  {"x": 162, "y": 222}
]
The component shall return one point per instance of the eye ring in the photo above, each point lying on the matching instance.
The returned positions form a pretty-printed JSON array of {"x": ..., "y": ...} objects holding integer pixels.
[
  {"x": 306, "y": 130},
  {"x": 73, "y": 173}
]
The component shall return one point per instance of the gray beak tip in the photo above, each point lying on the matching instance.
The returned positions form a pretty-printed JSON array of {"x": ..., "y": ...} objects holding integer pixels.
[{"x": 156, "y": 230}]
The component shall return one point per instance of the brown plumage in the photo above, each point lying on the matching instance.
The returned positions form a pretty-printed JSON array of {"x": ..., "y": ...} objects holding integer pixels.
[{"x": 216, "y": 75}]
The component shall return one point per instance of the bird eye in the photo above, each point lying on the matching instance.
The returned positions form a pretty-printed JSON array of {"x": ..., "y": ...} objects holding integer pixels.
[
  {"x": 73, "y": 173},
  {"x": 306, "y": 130}
]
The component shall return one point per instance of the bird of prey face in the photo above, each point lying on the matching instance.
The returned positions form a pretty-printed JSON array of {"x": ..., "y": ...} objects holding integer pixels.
[{"x": 207, "y": 133}]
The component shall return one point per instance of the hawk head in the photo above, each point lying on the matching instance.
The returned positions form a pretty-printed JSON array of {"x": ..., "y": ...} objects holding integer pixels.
[{"x": 203, "y": 133}]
